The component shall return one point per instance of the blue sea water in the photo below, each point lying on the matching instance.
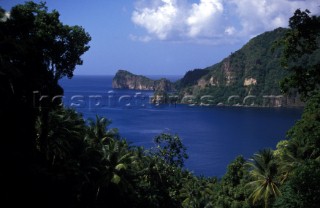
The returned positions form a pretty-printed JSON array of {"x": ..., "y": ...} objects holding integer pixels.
[{"x": 214, "y": 136}]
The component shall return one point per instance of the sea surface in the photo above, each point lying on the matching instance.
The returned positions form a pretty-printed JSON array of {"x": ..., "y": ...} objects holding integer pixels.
[{"x": 214, "y": 136}]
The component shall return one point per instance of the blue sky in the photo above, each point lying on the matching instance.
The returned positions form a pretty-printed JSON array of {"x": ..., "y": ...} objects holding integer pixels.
[{"x": 168, "y": 37}]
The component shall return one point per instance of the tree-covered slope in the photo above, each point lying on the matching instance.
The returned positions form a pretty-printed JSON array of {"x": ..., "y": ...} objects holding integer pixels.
[
  {"x": 249, "y": 76},
  {"x": 51, "y": 157}
]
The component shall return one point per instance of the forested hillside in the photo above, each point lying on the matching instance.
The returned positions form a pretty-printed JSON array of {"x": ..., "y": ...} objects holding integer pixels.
[
  {"x": 253, "y": 71},
  {"x": 51, "y": 157},
  {"x": 250, "y": 76}
]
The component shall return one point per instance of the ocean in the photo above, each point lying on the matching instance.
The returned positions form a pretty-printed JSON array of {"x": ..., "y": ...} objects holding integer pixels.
[{"x": 214, "y": 136}]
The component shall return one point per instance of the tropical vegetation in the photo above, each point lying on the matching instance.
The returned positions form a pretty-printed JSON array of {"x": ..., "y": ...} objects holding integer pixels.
[{"x": 52, "y": 157}]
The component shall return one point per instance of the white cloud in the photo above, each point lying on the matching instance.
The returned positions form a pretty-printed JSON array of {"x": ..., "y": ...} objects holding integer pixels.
[
  {"x": 256, "y": 16},
  {"x": 202, "y": 16},
  {"x": 158, "y": 21},
  {"x": 214, "y": 21}
]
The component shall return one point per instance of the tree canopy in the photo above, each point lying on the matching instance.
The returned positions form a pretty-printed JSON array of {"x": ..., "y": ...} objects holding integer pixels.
[
  {"x": 301, "y": 44},
  {"x": 36, "y": 50},
  {"x": 52, "y": 157}
]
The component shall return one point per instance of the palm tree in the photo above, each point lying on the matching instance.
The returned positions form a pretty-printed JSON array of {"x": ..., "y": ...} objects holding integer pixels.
[
  {"x": 197, "y": 192},
  {"x": 117, "y": 180},
  {"x": 98, "y": 133},
  {"x": 64, "y": 136},
  {"x": 117, "y": 158},
  {"x": 110, "y": 159},
  {"x": 264, "y": 173},
  {"x": 294, "y": 154}
]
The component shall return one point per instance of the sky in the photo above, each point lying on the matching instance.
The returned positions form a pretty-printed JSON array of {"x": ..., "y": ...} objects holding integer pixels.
[{"x": 168, "y": 37}]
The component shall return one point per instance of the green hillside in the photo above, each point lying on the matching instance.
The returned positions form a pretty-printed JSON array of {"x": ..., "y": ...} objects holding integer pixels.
[{"x": 252, "y": 71}]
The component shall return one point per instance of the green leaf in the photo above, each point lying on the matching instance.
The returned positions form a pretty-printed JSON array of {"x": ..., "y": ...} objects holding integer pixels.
[
  {"x": 115, "y": 179},
  {"x": 120, "y": 166}
]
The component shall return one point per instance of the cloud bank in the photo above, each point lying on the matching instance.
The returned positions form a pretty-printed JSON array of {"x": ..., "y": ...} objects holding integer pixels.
[{"x": 213, "y": 21}]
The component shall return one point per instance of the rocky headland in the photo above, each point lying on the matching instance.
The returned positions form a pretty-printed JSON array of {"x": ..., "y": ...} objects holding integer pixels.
[
  {"x": 126, "y": 80},
  {"x": 249, "y": 77}
]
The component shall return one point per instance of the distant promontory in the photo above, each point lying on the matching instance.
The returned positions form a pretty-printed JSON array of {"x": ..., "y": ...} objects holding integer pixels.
[
  {"x": 250, "y": 76},
  {"x": 126, "y": 80}
]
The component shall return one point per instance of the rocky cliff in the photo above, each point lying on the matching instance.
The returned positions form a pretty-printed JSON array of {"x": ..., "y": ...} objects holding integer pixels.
[
  {"x": 250, "y": 76},
  {"x": 126, "y": 80},
  {"x": 253, "y": 71}
]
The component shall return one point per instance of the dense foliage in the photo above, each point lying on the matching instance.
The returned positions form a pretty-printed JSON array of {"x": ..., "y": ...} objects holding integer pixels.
[
  {"x": 301, "y": 54},
  {"x": 191, "y": 78},
  {"x": 251, "y": 76},
  {"x": 52, "y": 157}
]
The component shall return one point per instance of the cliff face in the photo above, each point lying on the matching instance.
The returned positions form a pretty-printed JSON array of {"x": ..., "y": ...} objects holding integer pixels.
[
  {"x": 252, "y": 71},
  {"x": 250, "y": 76},
  {"x": 126, "y": 80}
]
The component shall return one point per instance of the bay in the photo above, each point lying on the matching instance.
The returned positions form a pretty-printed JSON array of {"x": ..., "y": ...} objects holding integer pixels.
[{"x": 214, "y": 136}]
